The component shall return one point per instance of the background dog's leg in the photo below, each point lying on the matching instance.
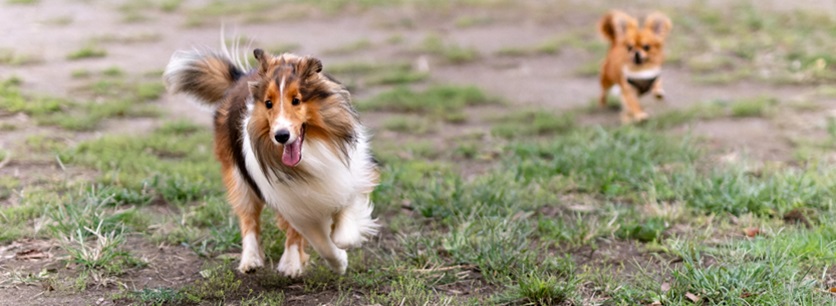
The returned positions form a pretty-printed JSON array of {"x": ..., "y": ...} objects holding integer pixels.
[
  {"x": 248, "y": 208},
  {"x": 606, "y": 85},
  {"x": 631, "y": 108},
  {"x": 658, "y": 92},
  {"x": 294, "y": 259},
  {"x": 317, "y": 235},
  {"x": 354, "y": 224}
]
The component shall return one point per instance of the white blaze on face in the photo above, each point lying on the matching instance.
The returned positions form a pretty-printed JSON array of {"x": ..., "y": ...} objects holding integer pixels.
[{"x": 281, "y": 122}]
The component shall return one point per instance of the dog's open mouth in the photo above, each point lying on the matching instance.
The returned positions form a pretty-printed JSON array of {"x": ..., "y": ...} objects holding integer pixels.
[{"x": 292, "y": 154}]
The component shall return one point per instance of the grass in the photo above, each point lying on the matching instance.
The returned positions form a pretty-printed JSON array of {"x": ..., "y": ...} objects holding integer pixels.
[
  {"x": 532, "y": 123},
  {"x": 450, "y": 53},
  {"x": 372, "y": 74},
  {"x": 13, "y": 58},
  {"x": 446, "y": 102},
  {"x": 352, "y": 47},
  {"x": 87, "y": 52}
]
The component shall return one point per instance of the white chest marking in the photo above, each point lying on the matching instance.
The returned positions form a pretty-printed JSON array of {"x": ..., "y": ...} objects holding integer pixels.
[{"x": 642, "y": 74}]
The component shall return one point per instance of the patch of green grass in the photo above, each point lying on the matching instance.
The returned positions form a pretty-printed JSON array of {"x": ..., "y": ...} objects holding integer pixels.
[
  {"x": 87, "y": 52},
  {"x": 378, "y": 74},
  {"x": 409, "y": 125},
  {"x": 27, "y": 2},
  {"x": 440, "y": 101},
  {"x": 700, "y": 111},
  {"x": 13, "y": 58},
  {"x": 554, "y": 284},
  {"x": 175, "y": 161},
  {"x": 532, "y": 123},
  {"x": 81, "y": 73},
  {"x": 353, "y": 47},
  {"x": 755, "y": 107},
  {"x": 451, "y": 53},
  {"x": 127, "y": 38}
]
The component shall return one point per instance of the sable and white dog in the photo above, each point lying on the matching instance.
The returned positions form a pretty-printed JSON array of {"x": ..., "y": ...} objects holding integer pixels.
[{"x": 287, "y": 136}]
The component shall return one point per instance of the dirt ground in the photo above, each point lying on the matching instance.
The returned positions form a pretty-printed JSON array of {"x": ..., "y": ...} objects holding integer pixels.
[{"x": 546, "y": 81}]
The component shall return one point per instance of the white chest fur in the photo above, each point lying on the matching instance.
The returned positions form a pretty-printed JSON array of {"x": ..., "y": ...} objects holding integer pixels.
[
  {"x": 330, "y": 186},
  {"x": 645, "y": 74}
]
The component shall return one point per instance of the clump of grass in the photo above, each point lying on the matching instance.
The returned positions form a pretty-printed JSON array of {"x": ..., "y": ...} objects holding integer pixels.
[
  {"x": 174, "y": 160},
  {"x": 26, "y": 2},
  {"x": 87, "y": 52},
  {"x": 409, "y": 125},
  {"x": 532, "y": 123},
  {"x": 451, "y": 53},
  {"x": 755, "y": 107},
  {"x": 440, "y": 101},
  {"x": 13, "y": 58},
  {"x": 378, "y": 74},
  {"x": 360, "y": 45}
]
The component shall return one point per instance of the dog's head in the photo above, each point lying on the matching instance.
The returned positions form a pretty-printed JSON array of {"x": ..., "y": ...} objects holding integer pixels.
[
  {"x": 644, "y": 45},
  {"x": 280, "y": 106}
]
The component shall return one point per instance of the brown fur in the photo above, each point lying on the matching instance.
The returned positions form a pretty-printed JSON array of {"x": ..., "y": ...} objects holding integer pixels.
[{"x": 628, "y": 41}]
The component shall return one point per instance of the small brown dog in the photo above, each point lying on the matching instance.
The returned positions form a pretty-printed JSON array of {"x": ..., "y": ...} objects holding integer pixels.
[{"x": 634, "y": 61}]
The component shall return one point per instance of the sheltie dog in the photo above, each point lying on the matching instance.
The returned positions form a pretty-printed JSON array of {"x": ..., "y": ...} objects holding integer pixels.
[
  {"x": 287, "y": 136},
  {"x": 634, "y": 61}
]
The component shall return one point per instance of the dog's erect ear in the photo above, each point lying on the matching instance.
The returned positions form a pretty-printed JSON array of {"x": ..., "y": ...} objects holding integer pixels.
[
  {"x": 658, "y": 23},
  {"x": 263, "y": 60},
  {"x": 309, "y": 67},
  {"x": 615, "y": 24}
]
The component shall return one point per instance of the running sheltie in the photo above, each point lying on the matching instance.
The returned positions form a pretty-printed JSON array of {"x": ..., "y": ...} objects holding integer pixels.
[
  {"x": 287, "y": 136},
  {"x": 634, "y": 61}
]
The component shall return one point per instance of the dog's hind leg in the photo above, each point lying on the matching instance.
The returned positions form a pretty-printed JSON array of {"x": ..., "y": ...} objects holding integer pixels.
[
  {"x": 248, "y": 208},
  {"x": 294, "y": 259},
  {"x": 353, "y": 225}
]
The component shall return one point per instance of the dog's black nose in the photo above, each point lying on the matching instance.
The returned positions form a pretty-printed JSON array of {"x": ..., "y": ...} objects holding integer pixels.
[
  {"x": 282, "y": 136},
  {"x": 638, "y": 59}
]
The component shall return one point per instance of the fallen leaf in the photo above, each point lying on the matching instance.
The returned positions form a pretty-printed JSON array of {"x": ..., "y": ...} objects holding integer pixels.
[
  {"x": 832, "y": 290},
  {"x": 666, "y": 287},
  {"x": 692, "y": 297},
  {"x": 751, "y": 232},
  {"x": 655, "y": 303}
]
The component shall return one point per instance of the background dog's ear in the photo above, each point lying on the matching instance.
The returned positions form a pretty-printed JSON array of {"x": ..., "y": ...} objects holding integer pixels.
[
  {"x": 263, "y": 60},
  {"x": 309, "y": 66},
  {"x": 614, "y": 25},
  {"x": 658, "y": 23}
]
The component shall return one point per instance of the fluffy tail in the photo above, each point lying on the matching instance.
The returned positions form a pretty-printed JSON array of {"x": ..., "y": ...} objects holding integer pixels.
[{"x": 205, "y": 76}]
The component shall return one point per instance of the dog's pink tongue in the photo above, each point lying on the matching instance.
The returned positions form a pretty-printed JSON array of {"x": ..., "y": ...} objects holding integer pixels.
[{"x": 292, "y": 153}]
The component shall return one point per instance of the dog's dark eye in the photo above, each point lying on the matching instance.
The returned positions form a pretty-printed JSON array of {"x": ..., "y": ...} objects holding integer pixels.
[
  {"x": 629, "y": 47},
  {"x": 269, "y": 104},
  {"x": 646, "y": 47},
  {"x": 295, "y": 101}
]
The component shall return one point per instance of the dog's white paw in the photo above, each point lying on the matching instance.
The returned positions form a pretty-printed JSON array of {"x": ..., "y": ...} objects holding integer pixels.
[
  {"x": 351, "y": 234},
  {"x": 292, "y": 264},
  {"x": 347, "y": 237},
  {"x": 250, "y": 260},
  {"x": 340, "y": 263}
]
